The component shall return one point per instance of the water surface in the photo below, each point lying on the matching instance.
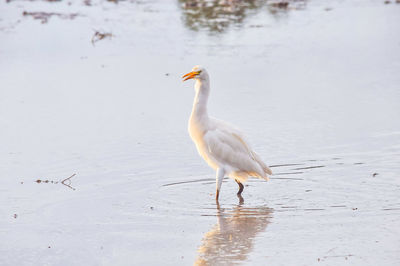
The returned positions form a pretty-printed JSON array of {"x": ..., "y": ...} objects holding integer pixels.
[{"x": 314, "y": 85}]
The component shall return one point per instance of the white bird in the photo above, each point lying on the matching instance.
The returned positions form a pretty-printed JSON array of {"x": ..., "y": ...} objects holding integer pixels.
[{"x": 221, "y": 145}]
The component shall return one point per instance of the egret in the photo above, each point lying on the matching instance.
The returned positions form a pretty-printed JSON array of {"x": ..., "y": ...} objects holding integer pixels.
[{"x": 221, "y": 145}]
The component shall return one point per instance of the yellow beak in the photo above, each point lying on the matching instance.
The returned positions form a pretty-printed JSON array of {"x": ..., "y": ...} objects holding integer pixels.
[{"x": 190, "y": 75}]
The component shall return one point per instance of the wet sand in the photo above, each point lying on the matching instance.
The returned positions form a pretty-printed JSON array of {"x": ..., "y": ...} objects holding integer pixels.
[{"x": 314, "y": 85}]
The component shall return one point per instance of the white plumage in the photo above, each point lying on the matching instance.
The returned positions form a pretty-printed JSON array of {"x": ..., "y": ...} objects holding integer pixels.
[{"x": 221, "y": 145}]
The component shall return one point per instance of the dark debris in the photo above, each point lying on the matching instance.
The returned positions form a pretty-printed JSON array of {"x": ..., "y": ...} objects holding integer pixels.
[
  {"x": 98, "y": 36},
  {"x": 45, "y": 16}
]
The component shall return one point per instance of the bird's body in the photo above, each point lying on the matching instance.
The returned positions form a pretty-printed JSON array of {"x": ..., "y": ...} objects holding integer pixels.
[{"x": 221, "y": 145}]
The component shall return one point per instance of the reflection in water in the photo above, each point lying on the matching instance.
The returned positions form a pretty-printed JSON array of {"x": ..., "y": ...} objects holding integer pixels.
[
  {"x": 232, "y": 238},
  {"x": 217, "y": 15}
]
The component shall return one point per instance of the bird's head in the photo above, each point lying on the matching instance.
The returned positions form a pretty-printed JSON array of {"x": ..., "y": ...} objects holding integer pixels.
[{"x": 197, "y": 72}]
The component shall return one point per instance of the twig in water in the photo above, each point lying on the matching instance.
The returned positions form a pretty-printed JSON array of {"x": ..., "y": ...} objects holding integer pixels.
[
  {"x": 98, "y": 36},
  {"x": 69, "y": 180}
]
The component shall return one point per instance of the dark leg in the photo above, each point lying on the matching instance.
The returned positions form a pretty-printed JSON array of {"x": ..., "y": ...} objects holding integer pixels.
[
  {"x": 241, "y": 200},
  {"x": 241, "y": 187}
]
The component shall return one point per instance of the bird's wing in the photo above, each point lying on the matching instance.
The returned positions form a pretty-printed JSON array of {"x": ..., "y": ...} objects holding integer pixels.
[{"x": 227, "y": 146}]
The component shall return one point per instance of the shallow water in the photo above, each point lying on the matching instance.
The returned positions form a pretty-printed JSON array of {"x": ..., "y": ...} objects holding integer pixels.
[{"x": 314, "y": 86}]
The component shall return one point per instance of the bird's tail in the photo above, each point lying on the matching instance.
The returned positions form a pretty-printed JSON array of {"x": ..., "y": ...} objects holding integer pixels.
[{"x": 267, "y": 170}]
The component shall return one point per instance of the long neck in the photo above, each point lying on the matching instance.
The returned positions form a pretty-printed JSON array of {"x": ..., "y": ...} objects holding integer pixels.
[{"x": 199, "y": 110}]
